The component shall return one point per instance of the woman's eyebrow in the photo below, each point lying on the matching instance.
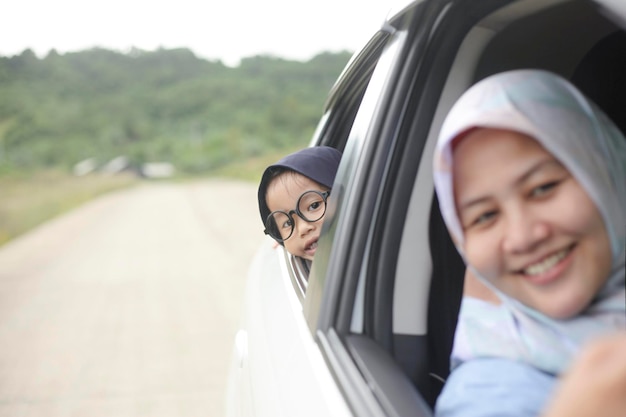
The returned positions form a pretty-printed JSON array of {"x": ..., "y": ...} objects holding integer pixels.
[
  {"x": 526, "y": 175},
  {"x": 473, "y": 202},
  {"x": 537, "y": 167}
]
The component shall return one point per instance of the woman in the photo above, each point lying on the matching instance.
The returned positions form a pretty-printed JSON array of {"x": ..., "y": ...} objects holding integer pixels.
[{"x": 531, "y": 179}]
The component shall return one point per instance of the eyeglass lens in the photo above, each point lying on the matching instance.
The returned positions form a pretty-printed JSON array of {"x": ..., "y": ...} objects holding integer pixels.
[{"x": 311, "y": 208}]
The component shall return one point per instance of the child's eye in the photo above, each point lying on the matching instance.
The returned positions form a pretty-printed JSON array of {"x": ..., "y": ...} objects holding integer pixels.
[
  {"x": 315, "y": 205},
  {"x": 287, "y": 224}
]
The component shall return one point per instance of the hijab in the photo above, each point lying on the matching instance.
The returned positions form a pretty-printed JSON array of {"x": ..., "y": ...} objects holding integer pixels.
[{"x": 572, "y": 128}]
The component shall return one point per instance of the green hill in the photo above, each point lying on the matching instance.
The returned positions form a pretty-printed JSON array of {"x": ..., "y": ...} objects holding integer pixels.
[{"x": 165, "y": 105}]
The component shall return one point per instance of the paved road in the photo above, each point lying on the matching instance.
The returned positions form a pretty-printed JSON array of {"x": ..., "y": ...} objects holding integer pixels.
[{"x": 128, "y": 305}]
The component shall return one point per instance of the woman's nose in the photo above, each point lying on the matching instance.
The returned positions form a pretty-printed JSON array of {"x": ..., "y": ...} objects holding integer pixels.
[{"x": 524, "y": 231}]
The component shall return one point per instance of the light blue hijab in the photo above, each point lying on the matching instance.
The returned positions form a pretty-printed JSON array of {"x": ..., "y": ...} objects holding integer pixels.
[{"x": 550, "y": 109}]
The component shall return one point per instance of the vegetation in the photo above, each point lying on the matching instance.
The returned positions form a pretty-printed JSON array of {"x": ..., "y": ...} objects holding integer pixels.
[
  {"x": 27, "y": 201},
  {"x": 202, "y": 116},
  {"x": 165, "y": 105}
]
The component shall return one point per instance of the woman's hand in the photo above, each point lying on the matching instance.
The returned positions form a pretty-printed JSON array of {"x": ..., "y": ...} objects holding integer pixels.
[{"x": 595, "y": 385}]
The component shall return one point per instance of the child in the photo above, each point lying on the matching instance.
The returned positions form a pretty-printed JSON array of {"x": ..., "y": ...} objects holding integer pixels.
[
  {"x": 531, "y": 179},
  {"x": 292, "y": 198}
]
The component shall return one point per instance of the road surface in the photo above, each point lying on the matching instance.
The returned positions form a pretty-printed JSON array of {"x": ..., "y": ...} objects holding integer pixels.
[{"x": 128, "y": 305}]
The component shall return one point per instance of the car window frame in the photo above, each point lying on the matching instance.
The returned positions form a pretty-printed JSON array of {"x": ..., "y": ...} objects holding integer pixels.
[{"x": 345, "y": 351}]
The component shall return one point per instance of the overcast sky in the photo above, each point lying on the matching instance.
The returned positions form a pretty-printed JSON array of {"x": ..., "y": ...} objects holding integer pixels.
[{"x": 213, "y": 29}]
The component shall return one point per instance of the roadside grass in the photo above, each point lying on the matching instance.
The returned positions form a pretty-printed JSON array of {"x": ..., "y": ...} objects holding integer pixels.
[{"x": 28, "y": 200}]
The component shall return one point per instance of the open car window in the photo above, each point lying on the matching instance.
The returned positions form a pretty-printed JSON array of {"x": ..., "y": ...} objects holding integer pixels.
[{"x": 335, "y": 127}]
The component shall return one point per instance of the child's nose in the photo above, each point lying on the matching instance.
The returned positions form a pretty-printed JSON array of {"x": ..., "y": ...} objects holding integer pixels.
[{"x": 302, "y": 226}]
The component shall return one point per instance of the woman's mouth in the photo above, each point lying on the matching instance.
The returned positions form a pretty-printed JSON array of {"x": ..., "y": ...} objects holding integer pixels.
[{"x": 546, "y": 269}]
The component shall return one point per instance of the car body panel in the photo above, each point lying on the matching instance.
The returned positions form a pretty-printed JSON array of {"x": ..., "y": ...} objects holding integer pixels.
[{"x": 283, "y": 374}]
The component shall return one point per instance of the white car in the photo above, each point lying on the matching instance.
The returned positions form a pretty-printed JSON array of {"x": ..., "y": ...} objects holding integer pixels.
[{"x": 368, "y": 330}]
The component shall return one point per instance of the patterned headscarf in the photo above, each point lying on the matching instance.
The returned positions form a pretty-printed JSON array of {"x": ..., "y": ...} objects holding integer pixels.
[{"x": 551, "y": 110}]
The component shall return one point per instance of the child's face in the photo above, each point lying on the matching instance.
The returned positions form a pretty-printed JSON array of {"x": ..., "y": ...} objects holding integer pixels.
[
  {"x": 529, "y": 227},
  {"x": 283, "y": 194}
]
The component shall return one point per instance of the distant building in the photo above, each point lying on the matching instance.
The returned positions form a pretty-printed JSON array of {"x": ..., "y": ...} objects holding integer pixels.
[
  {"x": 158, "y": 170},
  {"x": 84, "y": 167}
]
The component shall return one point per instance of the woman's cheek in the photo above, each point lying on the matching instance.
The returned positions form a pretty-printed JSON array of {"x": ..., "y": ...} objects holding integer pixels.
[{"x": 483, "y": 256}]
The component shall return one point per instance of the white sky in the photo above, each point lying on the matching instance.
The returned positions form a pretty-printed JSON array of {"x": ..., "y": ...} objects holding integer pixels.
[{"x": 213, "y": 29}]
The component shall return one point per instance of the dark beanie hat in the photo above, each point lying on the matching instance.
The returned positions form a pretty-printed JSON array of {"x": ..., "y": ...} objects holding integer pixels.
[{"x": 318, "y": 163}]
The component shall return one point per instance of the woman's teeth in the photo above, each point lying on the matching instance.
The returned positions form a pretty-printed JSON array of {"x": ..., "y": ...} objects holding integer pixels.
[
  {"x": 546, "y": 264},
  {"x": 312, "y": 246}
]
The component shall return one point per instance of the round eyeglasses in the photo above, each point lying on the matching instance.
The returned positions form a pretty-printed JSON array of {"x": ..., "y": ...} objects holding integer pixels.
[{"x": 311, "y": 207}]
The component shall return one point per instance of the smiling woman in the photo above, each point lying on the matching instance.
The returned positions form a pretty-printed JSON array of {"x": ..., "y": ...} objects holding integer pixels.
[
  {"x": 530, "y": 174},
  {"x": 535, "y": 215}
]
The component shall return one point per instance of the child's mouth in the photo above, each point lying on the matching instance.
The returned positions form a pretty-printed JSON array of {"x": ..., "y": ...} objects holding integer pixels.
[{"x": 312, "y": 247}]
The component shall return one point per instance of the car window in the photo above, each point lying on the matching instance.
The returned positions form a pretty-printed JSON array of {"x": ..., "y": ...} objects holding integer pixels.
[
  {"x": 340, "y": 110},
  {"x": 352, "y": 171},
  {"x": 342, "y": 308}
]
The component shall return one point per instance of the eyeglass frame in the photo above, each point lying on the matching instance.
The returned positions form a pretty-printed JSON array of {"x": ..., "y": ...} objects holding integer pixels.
[{"x": 323, "y": 194}]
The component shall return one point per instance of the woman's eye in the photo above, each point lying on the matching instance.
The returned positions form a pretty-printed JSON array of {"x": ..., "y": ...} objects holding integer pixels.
[
  {"x": 287, "y": 224},
  {"x": 543, "y": 188},
  {"x": 484, "y": 218}
]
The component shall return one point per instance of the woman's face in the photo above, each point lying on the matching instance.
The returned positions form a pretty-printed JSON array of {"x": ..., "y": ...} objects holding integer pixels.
[
  {"x": 529, "y": 226},
  {"x": 283, "y": 194}
]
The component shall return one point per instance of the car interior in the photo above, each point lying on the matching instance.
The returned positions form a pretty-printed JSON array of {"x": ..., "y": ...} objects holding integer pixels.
[{"x": 410, "y": 302}]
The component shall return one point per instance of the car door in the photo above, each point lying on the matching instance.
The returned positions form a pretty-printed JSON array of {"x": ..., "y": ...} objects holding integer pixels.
[{"x": 386, "y": 285}]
